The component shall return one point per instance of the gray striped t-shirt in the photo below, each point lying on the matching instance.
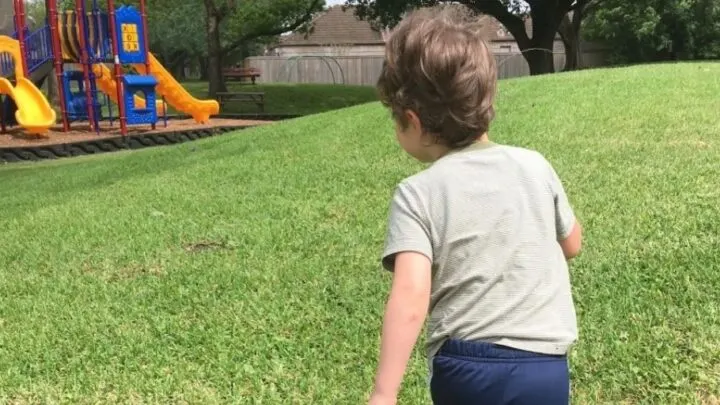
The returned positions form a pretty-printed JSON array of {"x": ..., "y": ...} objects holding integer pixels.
[{"x": 489, "y": 217}]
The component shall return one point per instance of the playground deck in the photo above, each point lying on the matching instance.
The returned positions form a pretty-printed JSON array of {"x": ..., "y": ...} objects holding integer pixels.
[{"x": 16, "y": 137}]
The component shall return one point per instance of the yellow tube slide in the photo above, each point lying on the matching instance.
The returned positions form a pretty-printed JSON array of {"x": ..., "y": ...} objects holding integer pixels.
[
  {"x": 34, "y": 112},
  {"x": 106, "y": 83},
  {"x": 176, "y": 95}
]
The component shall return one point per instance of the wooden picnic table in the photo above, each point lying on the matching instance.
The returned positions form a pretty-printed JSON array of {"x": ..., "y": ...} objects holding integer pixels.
[
  {"x": 257, "y": 98},
  {"x": 241, "y": 73}
]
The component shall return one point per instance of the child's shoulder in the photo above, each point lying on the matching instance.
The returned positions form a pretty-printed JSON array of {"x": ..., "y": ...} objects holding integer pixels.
[
  {"x": 450, "y": 169},
  {"x": 529, "y": 160},
  {"x": 501, "y": 155},
  {"x": 523, "y": 154}
]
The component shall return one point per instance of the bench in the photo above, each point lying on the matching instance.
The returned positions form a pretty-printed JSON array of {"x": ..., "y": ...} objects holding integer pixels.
[
  {"x": 241, "y": 73},
  {"x": 257, "y": 98}
]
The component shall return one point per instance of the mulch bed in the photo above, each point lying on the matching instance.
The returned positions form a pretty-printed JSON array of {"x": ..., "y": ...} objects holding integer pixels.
[
  {"x": 80, "y": 131},
  {"x": 17, "y": 146}
]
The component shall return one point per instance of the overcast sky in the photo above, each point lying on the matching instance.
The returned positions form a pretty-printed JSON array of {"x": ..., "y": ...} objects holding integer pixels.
[{"x": 334, "y": 2}]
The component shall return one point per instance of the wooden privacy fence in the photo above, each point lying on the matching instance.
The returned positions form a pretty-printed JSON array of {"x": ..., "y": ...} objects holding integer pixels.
[{"x": 364, "y": 70}]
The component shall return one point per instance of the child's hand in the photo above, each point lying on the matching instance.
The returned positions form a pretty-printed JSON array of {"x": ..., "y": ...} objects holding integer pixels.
[{"x": 380, "y": 399}]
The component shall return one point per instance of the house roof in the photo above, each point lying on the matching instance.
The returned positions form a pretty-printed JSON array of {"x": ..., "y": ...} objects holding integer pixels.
[
  {"x": 493, "y": 31},
  {"x": 337, "y": 27}
]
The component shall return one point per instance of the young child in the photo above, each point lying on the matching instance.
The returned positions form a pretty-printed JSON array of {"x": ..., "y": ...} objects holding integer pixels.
[{"x": 480, "y": 238}]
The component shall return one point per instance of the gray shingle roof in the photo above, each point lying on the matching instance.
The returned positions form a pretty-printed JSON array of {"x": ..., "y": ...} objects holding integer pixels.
[{"x": 336, "y": 27}]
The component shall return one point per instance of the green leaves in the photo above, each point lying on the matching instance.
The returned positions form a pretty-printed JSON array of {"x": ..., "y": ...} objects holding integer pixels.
[
  {"x": 176, "y": 27},
  {"x": 262, "y": 18},
  {"x": 649, "y": 30}
]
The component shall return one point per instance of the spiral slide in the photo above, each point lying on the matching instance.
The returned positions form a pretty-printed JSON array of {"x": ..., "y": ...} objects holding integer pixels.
[{"x": 34, "y": 112}]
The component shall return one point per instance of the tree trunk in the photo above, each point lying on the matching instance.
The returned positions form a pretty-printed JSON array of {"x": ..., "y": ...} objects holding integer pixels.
[
  {"x": 177, "y": 63},
  {"x": 539, "y": 56},
  {"x": 538, "y": 51},
  {"x": 570, "y": 33},
  {"x": 202, "y": 67},
  {"x": 215, "y": 77},
  {"x": 180, "y": 69}
]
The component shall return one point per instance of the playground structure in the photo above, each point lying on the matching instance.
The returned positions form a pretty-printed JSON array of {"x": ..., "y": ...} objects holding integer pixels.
[{"x": 77, "y": 46}]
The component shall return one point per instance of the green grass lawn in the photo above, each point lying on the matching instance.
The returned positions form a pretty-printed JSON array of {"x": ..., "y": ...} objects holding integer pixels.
[
  {"x": 244, "y": 268},
  {"x": 300, "y": 99}
]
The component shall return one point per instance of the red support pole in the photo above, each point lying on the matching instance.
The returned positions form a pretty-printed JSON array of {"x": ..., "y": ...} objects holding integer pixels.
[
  {"x": 3, "y": 129},
  {"x": 20, "y": 27},
  {"x": 146, "y": 41},
  {"x": 53, "y": 18},
  {"x": 85, "y": 61},
  {"x": 118, "y": 69}
]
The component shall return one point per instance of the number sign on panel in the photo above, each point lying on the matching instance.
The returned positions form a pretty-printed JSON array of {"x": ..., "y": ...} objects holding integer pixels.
[{"x": 131, "y": 42}]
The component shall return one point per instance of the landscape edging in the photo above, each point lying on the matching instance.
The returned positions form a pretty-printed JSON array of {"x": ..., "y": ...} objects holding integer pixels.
[
  {"x": 15, "y": 154},
  {"x": 28, "y": 153}
]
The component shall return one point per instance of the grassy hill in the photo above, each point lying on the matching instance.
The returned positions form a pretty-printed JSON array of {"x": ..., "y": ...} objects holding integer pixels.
[
  {"x": 296, "y": 99},
  {"x": 244, "y": 269}
]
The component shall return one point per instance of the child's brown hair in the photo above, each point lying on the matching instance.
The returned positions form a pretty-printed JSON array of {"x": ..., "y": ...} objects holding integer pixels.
[{"x": 438, "y": 66}]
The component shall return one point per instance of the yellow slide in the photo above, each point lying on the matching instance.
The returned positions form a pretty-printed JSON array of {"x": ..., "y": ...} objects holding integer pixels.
[
  {"x": 106, "y": 83},
  {"x": 176, "y": 95},
  {"x": 34, "y": 112}
]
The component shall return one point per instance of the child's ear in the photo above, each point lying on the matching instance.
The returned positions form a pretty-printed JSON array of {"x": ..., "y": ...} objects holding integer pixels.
[{"x": 413, "y": 121}]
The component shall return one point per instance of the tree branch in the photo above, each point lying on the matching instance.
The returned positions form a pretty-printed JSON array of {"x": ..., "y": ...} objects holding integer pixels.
[
  {"x": 592, "y": 5},
  {"x": 274, "y": 31},
  {"x": 565, "y": 29},
  {"x": 210, "y": 7},
  {"x": 585, "y": 5},
  {"x": 578, "y": 4},
  {"x": 225, "y": 9},
  {"x": 512, "y": 22}
]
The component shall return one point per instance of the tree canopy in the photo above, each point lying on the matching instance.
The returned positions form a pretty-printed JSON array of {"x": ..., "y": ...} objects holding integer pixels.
[
  {"x": 211, "y": 32},
  {"x": 651, "y": 30},
  {"x": 230, "y": 24},
  {"x": 536, "y": 45}
]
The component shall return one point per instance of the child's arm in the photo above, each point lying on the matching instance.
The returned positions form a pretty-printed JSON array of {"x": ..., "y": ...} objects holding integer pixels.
[
  {"x": 572, "y": 244},
  {"x": 408, "y": 254},
  {"x": 568, "y": 228},
  {"x": 405, "y": 314}
]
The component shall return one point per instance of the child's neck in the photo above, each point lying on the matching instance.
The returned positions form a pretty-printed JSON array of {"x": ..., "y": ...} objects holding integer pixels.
[
  {"x": 484, "y": 138},
  {"x": 441, "y": 150}
]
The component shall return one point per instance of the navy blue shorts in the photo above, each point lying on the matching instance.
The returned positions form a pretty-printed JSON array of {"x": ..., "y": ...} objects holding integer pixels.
[{"x": 478, "y": 373}]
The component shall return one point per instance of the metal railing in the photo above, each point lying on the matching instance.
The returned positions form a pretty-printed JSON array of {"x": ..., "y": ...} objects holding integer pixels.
[
  {"x": 38, "y": 47},
  {"x": 7, "y": 64}
]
